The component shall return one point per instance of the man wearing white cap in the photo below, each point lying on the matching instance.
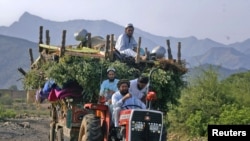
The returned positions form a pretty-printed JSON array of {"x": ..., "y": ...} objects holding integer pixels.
[
  {"x": 126, "y": 43},
  {"x": 109, "y": 86}
]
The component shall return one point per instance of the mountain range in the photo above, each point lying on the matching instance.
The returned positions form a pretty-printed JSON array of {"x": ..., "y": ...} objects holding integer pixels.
[{"x": 16, "y": 39}]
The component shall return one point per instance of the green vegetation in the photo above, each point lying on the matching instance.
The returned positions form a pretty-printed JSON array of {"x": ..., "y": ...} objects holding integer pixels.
[
  {"x": 10, "y": 108},
  {"x": 206, "y": 100},
  {"x": 13, "y": 87},
  {"x": 6, "y": 113},
  {"x": 89, "y": 73},
  {"x": 6, "y": 99}
]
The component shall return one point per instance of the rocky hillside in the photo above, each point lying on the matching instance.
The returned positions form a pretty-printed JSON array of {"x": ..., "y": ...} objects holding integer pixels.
[{"x": 14, "y": 53}]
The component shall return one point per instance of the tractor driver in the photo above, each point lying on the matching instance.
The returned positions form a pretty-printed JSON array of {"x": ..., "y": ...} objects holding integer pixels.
[{"x": 122, "y": 99}]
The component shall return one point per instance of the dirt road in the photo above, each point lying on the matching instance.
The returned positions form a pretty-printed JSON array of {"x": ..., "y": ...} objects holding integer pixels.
[{"x": 25, "y": 128}]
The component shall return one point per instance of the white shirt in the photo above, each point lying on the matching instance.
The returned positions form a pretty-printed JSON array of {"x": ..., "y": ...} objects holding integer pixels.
[
  {"x": 117, "y": 102},
  {"x": 133, "y": 89},
  {"x": 125, "y": 44}
]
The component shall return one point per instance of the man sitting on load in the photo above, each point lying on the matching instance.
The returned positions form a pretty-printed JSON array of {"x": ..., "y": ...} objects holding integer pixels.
[{"x": 126, "y": 43}]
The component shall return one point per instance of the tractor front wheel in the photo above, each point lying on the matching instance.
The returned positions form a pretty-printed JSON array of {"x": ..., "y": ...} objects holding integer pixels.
[
  {"x": 90, "y": 129},
  {"x": 52, "y": 132}
]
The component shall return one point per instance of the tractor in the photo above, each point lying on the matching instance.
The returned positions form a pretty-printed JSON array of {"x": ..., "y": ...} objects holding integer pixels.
[
  {"x": 92, "y": 122},
  {"x": 74, "y": 119}
]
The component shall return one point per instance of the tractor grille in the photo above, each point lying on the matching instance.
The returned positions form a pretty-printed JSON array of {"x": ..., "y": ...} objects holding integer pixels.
[{"x": 146, "y": 126}]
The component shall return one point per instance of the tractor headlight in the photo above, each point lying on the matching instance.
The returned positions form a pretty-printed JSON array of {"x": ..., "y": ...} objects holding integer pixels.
[
  {"x": 155, "y": 127},
  {"x": 138, "y": 126}
]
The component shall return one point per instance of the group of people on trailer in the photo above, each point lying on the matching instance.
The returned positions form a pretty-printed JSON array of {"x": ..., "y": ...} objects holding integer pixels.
[{"x": 118, "y": 94}]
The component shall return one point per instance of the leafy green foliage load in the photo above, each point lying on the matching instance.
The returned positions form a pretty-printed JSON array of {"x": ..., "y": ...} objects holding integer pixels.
[
  {"x": 90, "y": 72},
  {"x": 35, "y": 78},
  {"x": 168, "y": 86}
]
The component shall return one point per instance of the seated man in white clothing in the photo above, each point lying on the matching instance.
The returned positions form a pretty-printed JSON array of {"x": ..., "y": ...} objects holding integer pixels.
[
  {"x": 139, "y": 87},
  {"x": 122, "y": 99},
  {"x": 126, "y": 43}
]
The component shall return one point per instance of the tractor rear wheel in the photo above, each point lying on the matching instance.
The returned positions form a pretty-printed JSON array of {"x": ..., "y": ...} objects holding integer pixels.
[
  {"x": 59, "y": 134},
  {"x": 90, "y": 129}
]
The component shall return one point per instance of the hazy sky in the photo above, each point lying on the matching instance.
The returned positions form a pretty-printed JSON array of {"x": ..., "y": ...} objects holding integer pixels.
[{"x": 224, "y": 21}]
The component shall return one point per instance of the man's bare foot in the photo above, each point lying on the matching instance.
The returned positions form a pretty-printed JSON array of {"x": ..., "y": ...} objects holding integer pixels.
[{"x": 144, "y": 58}]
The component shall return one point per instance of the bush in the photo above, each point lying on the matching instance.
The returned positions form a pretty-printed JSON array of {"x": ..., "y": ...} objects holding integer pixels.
[
  {"x": 6, "y": 113},
  {"x": 210, "y": 101},
  {"x": 234, "y": 114},
  {"x": 197, "y": 124},
  {"x": 6, "y": 99}
]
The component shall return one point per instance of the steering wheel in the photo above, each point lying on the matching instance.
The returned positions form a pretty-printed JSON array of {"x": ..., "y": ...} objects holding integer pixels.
[{"x": 127, "y": 107}]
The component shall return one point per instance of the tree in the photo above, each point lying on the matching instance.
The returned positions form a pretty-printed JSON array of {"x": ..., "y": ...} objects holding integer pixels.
[
  {"x": 199, "y": 102},
  {"x": 13, "y": 87},
  {"x": 238, "y": 86}
]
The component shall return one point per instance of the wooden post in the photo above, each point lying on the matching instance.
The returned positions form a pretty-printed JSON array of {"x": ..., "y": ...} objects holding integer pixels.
[
  {"x": 111, "y": 47},
  {"x": 31, "y": 56},
  {"x": 47, "y": 40},
  {"x": 137, "y": 59},
  {"x": 146, "y": 53},
  {"x": 107, "y": 47},
  {"x": 40, "y": 38},
  {"x": 21, "y": 71},
  {"x": 170, "y": 57},
  {"x": 31, "y": 96},
  {"x": 89, "y": 40},
  {"x": 62, "y": 50},
  {"x": 47, "y": 37},
  {"x": 179, "y": 53}
]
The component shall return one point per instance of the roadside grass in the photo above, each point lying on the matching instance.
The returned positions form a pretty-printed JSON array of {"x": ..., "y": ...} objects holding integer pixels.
[
  {"x": 11, "y": 108},
  {"x": 179, "y": 136}
]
